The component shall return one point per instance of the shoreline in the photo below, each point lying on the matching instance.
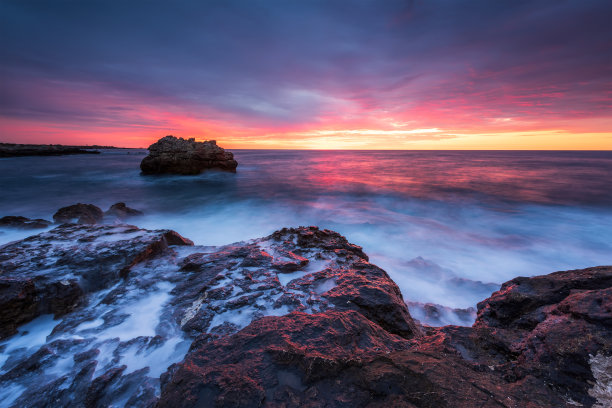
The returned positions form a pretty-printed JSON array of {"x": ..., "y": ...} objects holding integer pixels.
[
  {"x": 8, "y": 150},
  {"x": 331, "y": 326}
]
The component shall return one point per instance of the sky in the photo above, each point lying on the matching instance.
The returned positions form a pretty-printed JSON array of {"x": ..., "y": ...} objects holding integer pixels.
[{"x": 309, "y": 74}]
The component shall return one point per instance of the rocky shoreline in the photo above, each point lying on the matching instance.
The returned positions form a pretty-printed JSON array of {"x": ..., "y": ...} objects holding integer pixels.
[
  {"x": 299, "y": 318},
  {"x": 19, "y": 150}
]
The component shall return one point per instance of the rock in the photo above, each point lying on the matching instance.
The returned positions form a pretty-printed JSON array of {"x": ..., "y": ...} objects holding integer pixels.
[
  {"x": 11, "y": 221},
  {"x": 276, "y": 361},
  {"x": 122, "y": 211},
  {"x": 185, "y": 295},
  {"x": 340, "y": 359},
  {"x": 553, "y": 326},
  {"x": 51, "y": 272},
  {"x": 79, "y": 214},
  {"x": 299, "y": 318},
  {"x": 181, "y": 156},
  {"x": 17, "y": 303},
  {"x": 522, "y": 302},
  {"x": 326, "y": 272}
]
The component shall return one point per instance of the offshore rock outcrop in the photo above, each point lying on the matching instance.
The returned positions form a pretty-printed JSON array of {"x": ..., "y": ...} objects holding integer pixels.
[
  {"x": 300, "y": 318},
  {"x": 186, "y": 156},
  {"x": 79, "y": 214}
]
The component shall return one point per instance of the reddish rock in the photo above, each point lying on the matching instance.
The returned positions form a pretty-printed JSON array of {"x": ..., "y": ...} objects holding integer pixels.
[
  {"x": 275, "y": 358},
  {"x": 553, "y": 349},
  {"x": 521, "y": 302},
  {"x": 305, "y": 269},
  {"x": 186, "y": 156},
  {"x": 296, "y": 319}
]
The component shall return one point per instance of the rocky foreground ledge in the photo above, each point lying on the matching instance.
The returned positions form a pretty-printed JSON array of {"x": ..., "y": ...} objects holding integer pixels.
[{"x": 296, "y": 319}]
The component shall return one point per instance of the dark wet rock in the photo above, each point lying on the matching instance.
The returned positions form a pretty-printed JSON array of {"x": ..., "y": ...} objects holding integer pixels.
[
  {"x": 300, "y": 318},
  {"x": 17, "y": 303},
  {"x": 201, "y": 294},
  {"x": 305, "y": 269},
  {"x": 11, "y": 221},
  {"x": 99, "y": 391},
  {"x": 186, "y": 156},
  {"x": 46, "y": 356},
  {"x": 522, "y": 302},
  {"x": 342, "y": 359},
  {"x": 277, "y": 354},
  {"x": 554, "y": 325},
  {"x": 52, "y": 271},
  {"x": 79, "y": 214},
  {"x": 21, "y": 300},
  {"x": 121, "y": 211}
]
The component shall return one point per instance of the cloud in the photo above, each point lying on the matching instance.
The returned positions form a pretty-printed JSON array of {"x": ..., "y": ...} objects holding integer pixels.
[{"x": 274, "y": 66}]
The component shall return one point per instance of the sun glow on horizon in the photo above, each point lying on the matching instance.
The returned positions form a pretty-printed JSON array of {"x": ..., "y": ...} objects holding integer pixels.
[
  {"x": 510, "y": 75},
  {"x": 429, "y": 138}
]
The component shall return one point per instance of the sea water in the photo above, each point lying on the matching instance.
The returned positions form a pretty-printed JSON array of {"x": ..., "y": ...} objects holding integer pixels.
[{"x": 436, "y": 221}]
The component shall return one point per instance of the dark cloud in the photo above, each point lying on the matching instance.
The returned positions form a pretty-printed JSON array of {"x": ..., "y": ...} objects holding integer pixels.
[{"x": 279, "y": 61}]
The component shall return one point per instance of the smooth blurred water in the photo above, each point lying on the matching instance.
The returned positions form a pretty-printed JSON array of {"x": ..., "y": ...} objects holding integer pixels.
[{"x": 433, "y": 219}]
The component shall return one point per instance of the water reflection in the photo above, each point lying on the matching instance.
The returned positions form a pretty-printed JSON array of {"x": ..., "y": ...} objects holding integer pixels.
[{"x": 478, "y": 216}]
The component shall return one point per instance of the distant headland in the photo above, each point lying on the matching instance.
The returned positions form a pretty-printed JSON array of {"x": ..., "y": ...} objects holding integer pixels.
[{"x": 17, "y": 150}]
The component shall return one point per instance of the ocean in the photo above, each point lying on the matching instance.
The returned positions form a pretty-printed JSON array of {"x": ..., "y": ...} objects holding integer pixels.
[{"x": 448, "y": 226}]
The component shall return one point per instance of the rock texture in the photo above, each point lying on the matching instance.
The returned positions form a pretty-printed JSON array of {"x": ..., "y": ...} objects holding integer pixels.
[
  {"x": 50, "y": 273},
  {"x": 11, "y": 221},
  {"x": 339, "y": 359},
  {"x": 300, "y": 318},
  {"x": 79, "y": 214},
  {"x": 186, "y": 156}
]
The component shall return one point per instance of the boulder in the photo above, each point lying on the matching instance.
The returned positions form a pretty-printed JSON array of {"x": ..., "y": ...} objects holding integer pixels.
[
  {"x": 122, "y": 211},
  {"x": 18, "y": 222},
  {"x": 294, "y": 360},
  {"x": 79, "y": 214},
  {"x": 186, "y": 156}
]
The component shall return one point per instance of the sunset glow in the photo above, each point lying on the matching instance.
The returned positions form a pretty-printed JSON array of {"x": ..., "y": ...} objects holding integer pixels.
[{"x": 310, "y": 75}]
